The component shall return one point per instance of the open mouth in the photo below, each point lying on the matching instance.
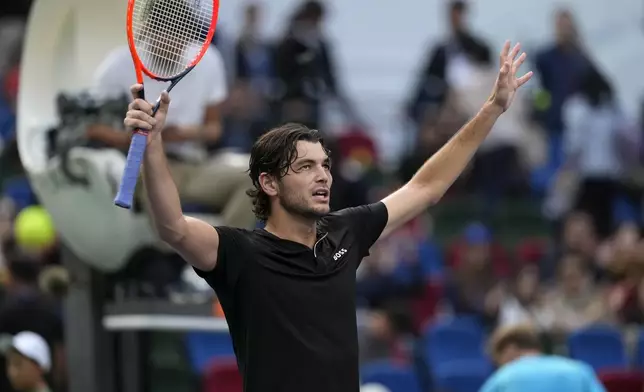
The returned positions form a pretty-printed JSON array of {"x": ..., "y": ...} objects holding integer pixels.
[{"x": 321, "y": 194}]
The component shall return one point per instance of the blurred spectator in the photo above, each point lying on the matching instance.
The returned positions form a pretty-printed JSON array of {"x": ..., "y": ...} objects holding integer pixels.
[
  {"x": 576, "y": 301},
  {"x": 12, "y": 29},
  {"x": 475, "y": 286},
  {"x": 254, "y": 83},
  {"x": 393, "y": 269},
  {"x": 10, "y": 165},
  {"x": 28, "y": 361},
  {"x": 26, "y": 308},
  {"x": 591, "y": 144},
  {"x": 435, "y": 128},
  {"x": 525, "y": 304},
  {"x": 218, "y": 182},
  {"x": 449, "y": 64},
  {"x": 355, "y": 169},
  {"x": 389, "y": 335},
  {"x": 305, "y": 68},
  {"x": 577, "y": 236},
  {"x": 623, "y": 257},
  {"x": 477, "y": 245},
  {"x": 630, "y": 306},
  {"x": 506, "y": 154},
  {"x": 253, "y": 55},
  {"x": 560, "y": 67}
]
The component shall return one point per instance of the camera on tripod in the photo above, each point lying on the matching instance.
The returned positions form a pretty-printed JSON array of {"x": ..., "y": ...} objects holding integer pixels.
[{"x": 77, "y": 112}]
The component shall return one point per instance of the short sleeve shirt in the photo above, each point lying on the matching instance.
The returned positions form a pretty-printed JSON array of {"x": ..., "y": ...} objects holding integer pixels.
[{"x": 291, "y": 309}]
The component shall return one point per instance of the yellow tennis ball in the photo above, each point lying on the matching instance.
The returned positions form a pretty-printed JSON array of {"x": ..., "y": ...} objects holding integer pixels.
[
  {"x": 34, "y": 229},
  {"x": 542, "y": 100}
]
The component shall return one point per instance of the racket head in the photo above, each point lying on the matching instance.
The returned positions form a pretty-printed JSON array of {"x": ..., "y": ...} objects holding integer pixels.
[{"x": 167, "y": 38}]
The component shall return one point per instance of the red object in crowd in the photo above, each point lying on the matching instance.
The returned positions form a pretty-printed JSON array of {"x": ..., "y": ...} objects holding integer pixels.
[
  {"x": 425, "y": 307},
  {"x": 11, "y": 81},
  {"x": 622, "y": 381},
  {"x": 356, "y": 143},
  {"x": 223, "y": 376},
  {"x": 498, "y": 256},
  {"x": 531, "y": 250}
]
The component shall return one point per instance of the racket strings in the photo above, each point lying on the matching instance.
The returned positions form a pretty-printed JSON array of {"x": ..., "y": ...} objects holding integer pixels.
[{"x": 169, "y": 34}]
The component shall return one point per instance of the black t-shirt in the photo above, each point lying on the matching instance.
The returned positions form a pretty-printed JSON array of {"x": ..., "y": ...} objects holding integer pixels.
[{"x": 291, "y": 310}]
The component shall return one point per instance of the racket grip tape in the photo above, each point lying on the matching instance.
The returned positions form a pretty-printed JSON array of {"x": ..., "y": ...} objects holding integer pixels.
[{"x": 125, "y": 196}]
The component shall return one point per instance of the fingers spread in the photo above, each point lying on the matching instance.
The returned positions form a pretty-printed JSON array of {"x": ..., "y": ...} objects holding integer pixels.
[
  {"x": 524, "y": 79},
  {"x": 504, "y": 52},
  {"x": 514, "y": 52},
  {"x": 517, "y": 64}
]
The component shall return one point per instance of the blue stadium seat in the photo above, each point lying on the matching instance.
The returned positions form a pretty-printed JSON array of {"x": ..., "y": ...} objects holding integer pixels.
[
  {"x": 18, "y": 189},
  {"x": 453, "y": 340},
  {"x": 600, "y": 346},
  {"x": 639, "y": 350},
  {"x": 462, "y": 376},
  {"x": 431, "y": 260},
  {"x": 203, "y": 347},
  {"x": 397, "y": 378}
]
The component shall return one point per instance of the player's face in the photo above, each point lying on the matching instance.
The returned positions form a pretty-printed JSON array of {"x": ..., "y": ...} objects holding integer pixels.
[{"x": 306, "y": 188}]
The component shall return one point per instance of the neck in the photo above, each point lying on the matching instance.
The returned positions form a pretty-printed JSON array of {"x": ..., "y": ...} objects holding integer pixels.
[
  {"x": 528, "y": 353},
  {"x": 292, "y": 228},
  {"x": 40, "y": 386}
]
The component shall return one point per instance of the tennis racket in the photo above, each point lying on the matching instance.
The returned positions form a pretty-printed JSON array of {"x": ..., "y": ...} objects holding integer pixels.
[{"x": 167, "y": 38}]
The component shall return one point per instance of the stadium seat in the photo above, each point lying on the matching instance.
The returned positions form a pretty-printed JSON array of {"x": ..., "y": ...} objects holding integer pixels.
[
  {"x": 431, "y": 260},
  {"x": 396, "y": 378},
  {"x": 453, "y": 340},
  {"x": 639, "y": 350},
  {"x": 203, "y": 347},
  {"x": 622, "y": 381},
  {"x": 222, "y": 375},
  {"x": 19, "y": 191},
  {"x": 600, "y": 346},
  {"x": 462, "y": 376}
]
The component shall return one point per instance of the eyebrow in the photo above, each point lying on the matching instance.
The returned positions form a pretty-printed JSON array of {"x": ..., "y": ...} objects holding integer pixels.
[{"x": 303, "y": 161}]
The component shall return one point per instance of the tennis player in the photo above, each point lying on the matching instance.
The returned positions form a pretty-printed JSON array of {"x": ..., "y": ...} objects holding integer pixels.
[
  {"x": 288, "y": 290},
  {"x": 523, "y": 368}
]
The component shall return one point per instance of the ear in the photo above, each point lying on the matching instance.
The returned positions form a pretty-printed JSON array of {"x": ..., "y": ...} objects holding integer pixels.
[{"x": 268, "y": 184}]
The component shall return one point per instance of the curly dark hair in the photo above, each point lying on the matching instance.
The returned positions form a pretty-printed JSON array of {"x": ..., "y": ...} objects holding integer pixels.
[{"x": 274, "y": 153}]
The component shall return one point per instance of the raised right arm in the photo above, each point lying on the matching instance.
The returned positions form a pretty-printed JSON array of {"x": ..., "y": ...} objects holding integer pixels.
[{"x": 196, "y": 241}]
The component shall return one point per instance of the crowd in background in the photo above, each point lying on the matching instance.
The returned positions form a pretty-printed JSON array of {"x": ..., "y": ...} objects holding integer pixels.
[{"x": 544, "y": 227}]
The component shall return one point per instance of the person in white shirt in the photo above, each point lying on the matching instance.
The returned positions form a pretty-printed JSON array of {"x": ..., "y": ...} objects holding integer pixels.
[{"x": 217, "y": 181}]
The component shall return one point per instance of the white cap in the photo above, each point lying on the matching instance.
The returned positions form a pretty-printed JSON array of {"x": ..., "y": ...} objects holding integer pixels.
[
  {"x": 34, "y": 347},
  {"x": 374, "y": 387}
]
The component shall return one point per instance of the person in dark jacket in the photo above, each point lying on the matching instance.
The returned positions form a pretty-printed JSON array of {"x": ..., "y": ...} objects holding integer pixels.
[{"x": 448, "y": 61}]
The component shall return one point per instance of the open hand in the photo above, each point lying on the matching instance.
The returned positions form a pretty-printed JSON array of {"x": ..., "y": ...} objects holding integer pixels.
[{"x": 507, "y": 81}]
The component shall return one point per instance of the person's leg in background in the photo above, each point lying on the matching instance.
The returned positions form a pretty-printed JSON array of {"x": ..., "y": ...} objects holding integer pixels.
[
  {"x": 596, "y": 197},
  {"x": 220, "y": 183},
  {"x": 496, "y": 173}
]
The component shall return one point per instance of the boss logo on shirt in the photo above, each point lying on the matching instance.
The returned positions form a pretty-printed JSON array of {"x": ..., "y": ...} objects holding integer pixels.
[{"x": 340, "y": 253}]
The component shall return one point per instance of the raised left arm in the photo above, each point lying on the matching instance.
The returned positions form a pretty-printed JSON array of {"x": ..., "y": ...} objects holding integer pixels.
[{"x": 440, "y": 171}]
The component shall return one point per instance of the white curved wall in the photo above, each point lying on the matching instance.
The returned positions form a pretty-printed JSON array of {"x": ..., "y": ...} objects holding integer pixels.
[{"x": 65, "y": 41}]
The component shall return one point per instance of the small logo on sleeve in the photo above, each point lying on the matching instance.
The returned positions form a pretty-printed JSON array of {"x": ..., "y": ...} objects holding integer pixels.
[{"x": 339, "y": 254}]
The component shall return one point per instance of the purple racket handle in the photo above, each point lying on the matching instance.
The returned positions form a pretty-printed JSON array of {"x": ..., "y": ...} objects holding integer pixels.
[{"x": 125, "y": 196}]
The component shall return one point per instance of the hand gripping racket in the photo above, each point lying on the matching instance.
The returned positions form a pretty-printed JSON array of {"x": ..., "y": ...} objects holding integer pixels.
[{"x": 167, "y": 38}]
